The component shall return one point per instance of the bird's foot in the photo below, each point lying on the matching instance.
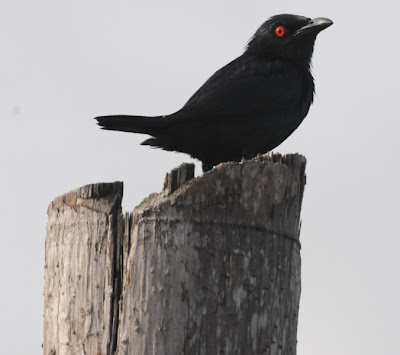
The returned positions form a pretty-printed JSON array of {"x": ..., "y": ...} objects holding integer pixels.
[{"x": 222, "y": 164}]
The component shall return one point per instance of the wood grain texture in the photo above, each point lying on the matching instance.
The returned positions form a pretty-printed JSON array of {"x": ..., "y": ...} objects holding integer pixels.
[
  {"x": 214, "y": 268},
  {"x": 81, "y": 268},
  {"x": 210, "y": 265}
]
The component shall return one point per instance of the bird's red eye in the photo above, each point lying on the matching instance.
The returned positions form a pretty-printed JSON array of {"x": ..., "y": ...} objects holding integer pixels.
[{"x": 280, "y": 31}]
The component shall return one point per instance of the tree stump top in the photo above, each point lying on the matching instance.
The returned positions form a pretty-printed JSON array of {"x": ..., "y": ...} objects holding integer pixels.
[
  {"x": 208, "y": 265},
  {"x": 270, "y": 176}
]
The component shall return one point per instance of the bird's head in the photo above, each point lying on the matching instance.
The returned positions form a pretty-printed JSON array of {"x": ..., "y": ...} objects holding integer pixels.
[{"x": 287, "y": 37}]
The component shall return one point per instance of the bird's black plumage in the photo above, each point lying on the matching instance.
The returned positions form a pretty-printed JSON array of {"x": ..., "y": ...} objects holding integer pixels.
[{"x": 249, "y": 106}]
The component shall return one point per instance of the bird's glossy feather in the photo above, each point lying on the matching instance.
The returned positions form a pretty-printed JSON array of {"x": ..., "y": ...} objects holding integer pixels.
[{"x": 249, "y": 106}]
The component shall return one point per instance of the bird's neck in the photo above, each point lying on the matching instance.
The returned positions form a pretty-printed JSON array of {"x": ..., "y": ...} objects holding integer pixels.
[{"x": 298, "y": 55}]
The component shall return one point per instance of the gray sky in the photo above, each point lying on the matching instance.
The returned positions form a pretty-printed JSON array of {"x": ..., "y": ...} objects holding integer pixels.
[{"x": 64, "y": 62}]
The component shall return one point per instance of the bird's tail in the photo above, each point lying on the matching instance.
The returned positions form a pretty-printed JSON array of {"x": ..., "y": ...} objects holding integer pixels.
[{"x": 136, "y": 124}]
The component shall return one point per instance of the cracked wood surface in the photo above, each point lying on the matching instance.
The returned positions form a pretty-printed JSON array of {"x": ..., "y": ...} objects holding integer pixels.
[
  {"x": 82, "y": 254},
  {"x": 211, "y": 265}
]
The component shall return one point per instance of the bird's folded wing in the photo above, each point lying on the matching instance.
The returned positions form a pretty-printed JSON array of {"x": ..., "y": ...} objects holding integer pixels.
[{"x": 242, "y": 95}]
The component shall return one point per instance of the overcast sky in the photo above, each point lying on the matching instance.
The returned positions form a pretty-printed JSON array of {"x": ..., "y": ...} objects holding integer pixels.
[{"x": 64, "y": 62}]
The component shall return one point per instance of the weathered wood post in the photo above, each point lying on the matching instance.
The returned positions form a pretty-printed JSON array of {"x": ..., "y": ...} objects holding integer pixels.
[{"x": 209, "y": 266}]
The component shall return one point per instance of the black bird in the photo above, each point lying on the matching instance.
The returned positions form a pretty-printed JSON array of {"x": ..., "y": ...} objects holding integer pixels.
[{"x": 249, "y": 106}]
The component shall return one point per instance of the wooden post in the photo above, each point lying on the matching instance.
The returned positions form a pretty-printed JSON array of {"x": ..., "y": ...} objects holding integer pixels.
[
  {"x": 82, "y": 286},
  {"x": 209, "y": 266}
]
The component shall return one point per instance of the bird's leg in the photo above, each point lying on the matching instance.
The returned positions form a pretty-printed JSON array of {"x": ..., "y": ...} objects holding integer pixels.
[
  {"x": 206, "y": 166},
  {"x": 246, "y": 155}
]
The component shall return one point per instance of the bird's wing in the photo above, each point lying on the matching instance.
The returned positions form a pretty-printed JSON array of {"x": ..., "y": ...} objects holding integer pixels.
[{"x": 242, "y": 88}]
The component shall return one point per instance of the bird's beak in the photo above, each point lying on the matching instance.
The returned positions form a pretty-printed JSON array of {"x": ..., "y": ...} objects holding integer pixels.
[{"x": 315, "y": 26}]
